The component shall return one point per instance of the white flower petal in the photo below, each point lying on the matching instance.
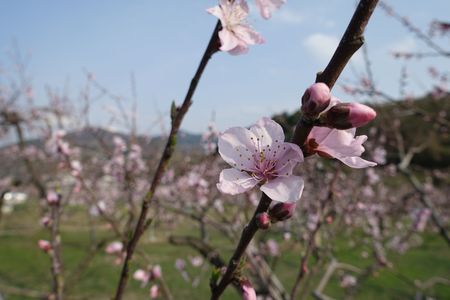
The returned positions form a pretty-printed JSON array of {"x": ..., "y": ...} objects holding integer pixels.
[
  {"x": 232, "y": 181},
  {"x": 236, "y": 147},
  {"x": 268, "y": 133},
  {"x": 284, "y": 189}
]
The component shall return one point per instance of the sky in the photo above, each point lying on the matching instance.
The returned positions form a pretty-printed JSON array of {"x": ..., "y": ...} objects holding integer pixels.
[{"x": 160, "y": 43}]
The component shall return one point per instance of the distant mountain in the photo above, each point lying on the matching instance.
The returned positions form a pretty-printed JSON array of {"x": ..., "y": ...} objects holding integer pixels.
[{"x": 95, "y": 137}]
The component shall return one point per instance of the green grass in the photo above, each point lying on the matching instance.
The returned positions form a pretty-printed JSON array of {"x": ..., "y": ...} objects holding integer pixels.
[{"x": 23, "y": 265}]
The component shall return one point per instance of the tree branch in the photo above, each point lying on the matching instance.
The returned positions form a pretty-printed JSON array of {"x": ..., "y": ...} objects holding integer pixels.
[
  {"x": 351, "y": 41},
  {"x": 177, "y": 115}
]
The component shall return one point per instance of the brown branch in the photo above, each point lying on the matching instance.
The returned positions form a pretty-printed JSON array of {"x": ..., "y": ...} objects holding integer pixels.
[
  {"x": 57, "y": 272},
  {"x": 177, "y": 115},
  {"x": 35, "y": 179},
  {"x": 351, "y": 41}
]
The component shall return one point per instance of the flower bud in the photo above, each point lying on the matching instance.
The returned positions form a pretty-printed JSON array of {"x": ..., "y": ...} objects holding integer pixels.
[
  {"x": 263, "y": 220},
  {"x": 46, "y": 221},
  {"x": 154, "y": 291},
  {"x": 44, "y": 245},
  {"x": 52, "y": 198},
  {"x": 282, "y": 211},
  {"x": 248, "y": 292},
  {"x": 349, "y": 115},
  {"x": 316, "y": 99},
  {"x": 141, "y": 275},
  {"x": 156, "y": 272}
]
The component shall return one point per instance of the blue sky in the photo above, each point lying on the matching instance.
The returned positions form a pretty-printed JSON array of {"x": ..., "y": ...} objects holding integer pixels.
[{"x": 161, "y": 43}]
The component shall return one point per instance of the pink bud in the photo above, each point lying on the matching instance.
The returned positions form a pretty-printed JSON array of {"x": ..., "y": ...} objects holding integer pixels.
[
  {"x": 248, "y": 292},
  {"x": 114, "y": 247},
  {"x": 52, "y": 198},
  {"x": 156, "y": 272},
  {"x": 46, "y": 221},
  {"x": 263, "y": 220},
  {"x": 154, "y": 292},
  {"x": 282, "y": 211},
  {"x": 141, "y": 275},
  {"x": 315, "y": 99},
  {"x": 349, "y": 115},
  {"x": 44, "y": 245},
  {"x": 361, "y": 114}
]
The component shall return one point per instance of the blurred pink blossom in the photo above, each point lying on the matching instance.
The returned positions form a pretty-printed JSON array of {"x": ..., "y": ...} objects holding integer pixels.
[
  {"x": 267, "y": 7},
  {"x": 154, "y": 291},
  {"x": 248, "y": 292},
  {"x": 52, "y": 198},
  {"x": 114, "y": 247},
  {"x": 45, "y": 246},
  {"x": 142, "y": 276}
]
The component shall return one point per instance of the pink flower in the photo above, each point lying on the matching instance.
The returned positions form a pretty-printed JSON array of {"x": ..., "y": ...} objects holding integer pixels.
[
  {"x": 339, "y": 144},
  {"x": 266, "y": 7},
  {"x": 45, "y": 246},
  {"x": 248, "y": 292},
  {"x": 114, "y": 247},
  {"x": 156, "y": 272},
  {"x": 142, "y": 276},
  {"x": 154, "y": 291},
  {"x": 236, "y": 35},
  {"x": 52, "y": 198},
  {"x": 260, "y": 156}
]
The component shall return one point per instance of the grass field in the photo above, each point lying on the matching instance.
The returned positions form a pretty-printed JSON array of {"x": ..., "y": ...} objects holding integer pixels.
[{"x": 23, "y": 265}]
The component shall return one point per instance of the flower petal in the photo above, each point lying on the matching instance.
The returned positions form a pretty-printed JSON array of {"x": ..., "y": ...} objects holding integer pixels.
[
  {"x": 284, "y": 189},
  {"x": 356, "y": 162},
  {"x": 236, "y": 147},
  {"x": 287, "y": 158},
  {"x": 232, "y": 181},
  {"x": 228, "y": 40},
  {"x": 247, "y": 34},
  {"x": 268, "y": 133}
]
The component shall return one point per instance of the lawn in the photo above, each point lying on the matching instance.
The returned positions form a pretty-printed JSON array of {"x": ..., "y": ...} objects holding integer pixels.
[{"x": 23, "y": 265}]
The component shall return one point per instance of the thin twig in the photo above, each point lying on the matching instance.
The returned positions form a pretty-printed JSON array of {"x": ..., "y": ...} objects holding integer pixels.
[{"x": 177, "y": 115}]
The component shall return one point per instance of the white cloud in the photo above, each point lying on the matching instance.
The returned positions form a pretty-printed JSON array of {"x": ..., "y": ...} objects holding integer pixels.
[
  {"x": 322, "y": 46},
  {"x": 288, "y": 16},
  {"x": 407, "y": 44}
]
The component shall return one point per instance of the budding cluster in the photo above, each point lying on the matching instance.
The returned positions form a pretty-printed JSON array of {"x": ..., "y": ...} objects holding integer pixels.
[
  {"x": 279, "y": 212},
  {"x": 317, "y": 102}
]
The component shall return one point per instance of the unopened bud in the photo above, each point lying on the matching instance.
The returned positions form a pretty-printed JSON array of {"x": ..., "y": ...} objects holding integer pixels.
[
  {"x": 349, "y": 115},
  {"x": 52, "y": 198},
  {"x": 263, "y": 220},
  {"x": 248, "y": 292},
  {"x": 315, "y": 99},
  {"x": 282, "y": 211},
  {"x": 156, "y": 272},
  {"x": 44, "y": 245}
]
